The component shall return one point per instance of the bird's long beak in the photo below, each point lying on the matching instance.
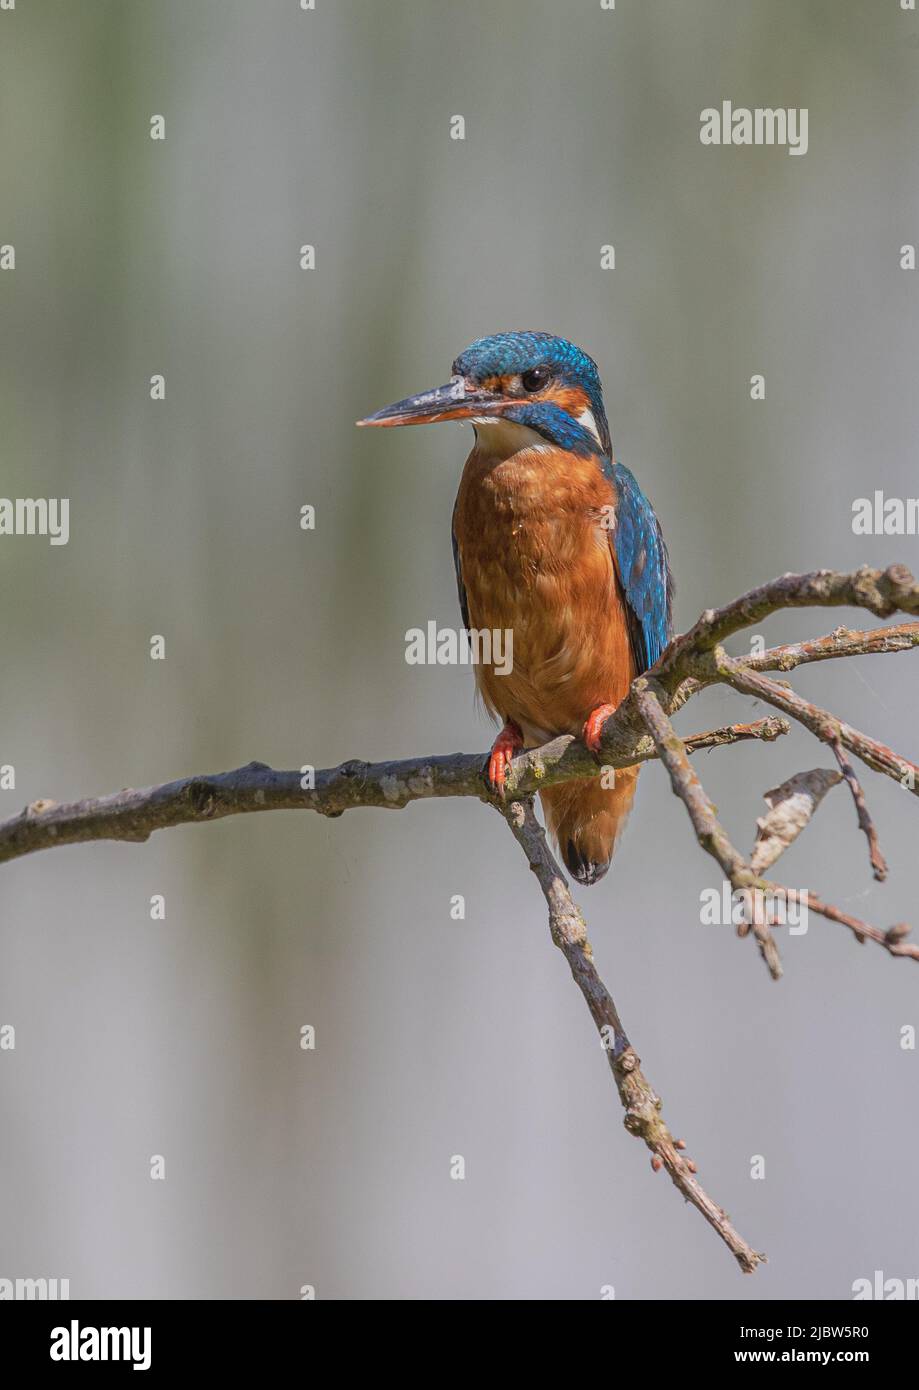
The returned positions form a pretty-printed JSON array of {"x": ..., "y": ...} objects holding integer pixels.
[{"x": 455, "y": 401}]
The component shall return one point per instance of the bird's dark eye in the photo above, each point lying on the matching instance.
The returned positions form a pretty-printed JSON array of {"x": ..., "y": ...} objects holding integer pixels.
[{"x": 535, "y": 379}]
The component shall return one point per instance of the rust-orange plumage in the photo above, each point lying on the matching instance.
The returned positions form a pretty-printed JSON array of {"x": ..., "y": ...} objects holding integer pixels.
[{"x": 555, "y": 544}]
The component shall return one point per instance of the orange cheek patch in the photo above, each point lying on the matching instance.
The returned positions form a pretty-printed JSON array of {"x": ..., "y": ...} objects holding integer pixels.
[{"x": 571, "y": 399}]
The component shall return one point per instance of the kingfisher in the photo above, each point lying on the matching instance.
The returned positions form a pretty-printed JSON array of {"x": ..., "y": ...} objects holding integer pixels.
[{"x": 554, "y": 542}]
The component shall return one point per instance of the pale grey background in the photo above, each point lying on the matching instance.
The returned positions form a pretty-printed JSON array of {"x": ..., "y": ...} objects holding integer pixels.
[{"x": 434, "y": 1037}]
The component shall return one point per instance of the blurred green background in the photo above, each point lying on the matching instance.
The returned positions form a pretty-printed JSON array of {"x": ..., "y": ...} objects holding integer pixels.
[{"x": 434, "y": 1037}]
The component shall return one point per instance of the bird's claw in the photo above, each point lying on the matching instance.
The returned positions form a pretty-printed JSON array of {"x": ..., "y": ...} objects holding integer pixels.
[
  {"x": 593, "y": 728},
  {"x": 508, "y": 743}
]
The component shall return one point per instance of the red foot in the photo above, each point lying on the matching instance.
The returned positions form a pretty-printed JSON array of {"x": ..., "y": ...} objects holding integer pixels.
[
  {"x": 508, "y": 742},
  {"x": 594, "y": 726}
]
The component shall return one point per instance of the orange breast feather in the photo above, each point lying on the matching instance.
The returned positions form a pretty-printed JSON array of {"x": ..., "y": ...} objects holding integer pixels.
[{"x": 535, "y": 559}]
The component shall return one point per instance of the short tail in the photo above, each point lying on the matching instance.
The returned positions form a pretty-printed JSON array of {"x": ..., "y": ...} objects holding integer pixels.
[{"x": 586, "y": 819}]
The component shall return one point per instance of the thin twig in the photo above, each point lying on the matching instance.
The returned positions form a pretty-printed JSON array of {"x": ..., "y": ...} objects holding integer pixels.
[
  {"x": 821, "y": 722},
  {"x": 893, "y": 940},
  {"x": 709, "y": 831},
  {"x": 865, "y": 823},
  {"x": 842, "y": 641},
  {"x": 882, "y": 592},
  {"x": 642, "y": 1106}
]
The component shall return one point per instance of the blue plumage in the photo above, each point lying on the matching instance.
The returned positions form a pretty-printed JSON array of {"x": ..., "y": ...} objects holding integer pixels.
[
  {"x": 504, "y": 354},
  {"x": 642, "y": 564},
  {"x": 637, "y": 542}
]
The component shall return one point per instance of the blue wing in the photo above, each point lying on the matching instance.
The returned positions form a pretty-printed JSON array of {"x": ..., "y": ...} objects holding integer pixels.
[{"x": 643, "y": 567}]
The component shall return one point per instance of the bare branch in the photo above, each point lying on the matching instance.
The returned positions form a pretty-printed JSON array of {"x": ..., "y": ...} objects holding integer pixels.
[
  {"x": 865, "y": 823},
  {"x": 893, "y": 940},
  {"x": 882, "y": 592},
  {"x": 689, "y": 789},
  {"x": 639, "y": 730},
  {"x": 709, "y": 832},
  {"x": 642, "y": 1106},
  {"x": 134, "y": 814},
  {"x": 821, "y": 722},
  {"x": 842, "y": 641}
]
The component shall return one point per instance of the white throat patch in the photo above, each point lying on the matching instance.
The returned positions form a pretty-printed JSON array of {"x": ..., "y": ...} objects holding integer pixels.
[{"x": 501, "y": 438}]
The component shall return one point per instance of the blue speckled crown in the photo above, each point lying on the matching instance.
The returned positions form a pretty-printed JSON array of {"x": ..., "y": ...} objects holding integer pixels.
[{"x": 506, "y": 353}]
